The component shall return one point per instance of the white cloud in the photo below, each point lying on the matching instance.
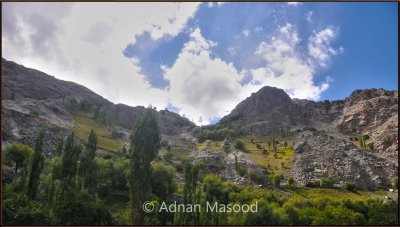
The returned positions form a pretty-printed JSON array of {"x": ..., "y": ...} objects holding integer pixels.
[
  {"x": 246, "y": 33},
  {"x": 320, "y": 46},
  {"x": 203, "y": 87},
  {"x": 286, "y": 67},
  {"x": 309, "y": 16},
  {"x": 294, "y": 3},
  {"x": 83, "y": 42}
]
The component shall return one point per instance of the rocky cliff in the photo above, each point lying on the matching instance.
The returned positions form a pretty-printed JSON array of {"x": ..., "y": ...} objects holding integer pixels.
[
  {"x": 32, "y": 99},
  {"x": 371, "y": 111}
]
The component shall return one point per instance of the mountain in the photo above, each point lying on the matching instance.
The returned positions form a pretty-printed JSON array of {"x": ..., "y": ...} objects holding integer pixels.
[
  {"x": 352, "y": 140},
  {"x": 371, "y": 111},
  {"x": 32, "y": 99}
]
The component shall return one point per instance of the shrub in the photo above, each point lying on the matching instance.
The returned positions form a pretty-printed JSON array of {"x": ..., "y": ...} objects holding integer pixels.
[
  {"x": 276, "y": 179},
  {"x": 327, "y": 182},
  {"x": 350, "y": 186},
  {"x": 256, "y": 177},
  {"x": 258, "y": 146},
  {"x": 238, "y": 144},
  {"x": 290, "y": 181}
]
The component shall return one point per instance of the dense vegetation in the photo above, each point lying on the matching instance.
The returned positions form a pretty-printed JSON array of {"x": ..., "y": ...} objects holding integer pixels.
[{"x": 77, "y": 187}]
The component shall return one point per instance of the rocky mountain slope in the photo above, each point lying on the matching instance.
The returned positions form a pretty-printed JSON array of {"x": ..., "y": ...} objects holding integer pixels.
[
  {"x": 319, "y": 131},
  {"x": 371, "y": 111},
  {"x": 32, "y": 99}
]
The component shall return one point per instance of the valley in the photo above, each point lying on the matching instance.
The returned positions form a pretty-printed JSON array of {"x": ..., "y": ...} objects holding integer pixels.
[{"x": 290, "y": 156}]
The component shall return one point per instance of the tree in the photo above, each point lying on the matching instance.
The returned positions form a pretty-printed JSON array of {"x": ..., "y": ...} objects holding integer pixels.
[
  {"x": 69, "y": 165},
  {"x": 37, "y": 166},
  {"x": 163, "y": 180},
  {"x": 88, "y": 168},
  {"x": 145, "y": 142},
  {"x": 17, "y": 155},
  {"x": 60, "y": 146}
]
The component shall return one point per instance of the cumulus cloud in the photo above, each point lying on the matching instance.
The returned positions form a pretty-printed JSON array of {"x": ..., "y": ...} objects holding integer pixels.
[
  {"x": 84, "y": 42},
  {"x": 201, "y": 86},
  {"x": 286, "y": 67},
  {"x": 320, "y": 46}
]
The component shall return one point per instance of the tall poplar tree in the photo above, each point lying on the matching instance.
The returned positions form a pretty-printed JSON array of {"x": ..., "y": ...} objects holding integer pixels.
[
  {"x": 88, "y": 168},
  {"x": 69, "y": 165},
  {"x": 37, "y": 165},
  {"x": 145, "y": 142}
]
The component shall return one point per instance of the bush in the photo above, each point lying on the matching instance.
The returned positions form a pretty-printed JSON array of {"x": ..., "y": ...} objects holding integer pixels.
[
  {"x": 350, "y": 186},
  {"x": 258, "y": 146},
  {"x": 276, "y": 179},
  {"x": 226, "y": 148},
  {"x": 238, "y": 144},
  {"x": 290, "y": 181},
  {"x": 162, "y": 180},
  {"x": 327, "y": 182},
  {"x": 257, "y": 177}
]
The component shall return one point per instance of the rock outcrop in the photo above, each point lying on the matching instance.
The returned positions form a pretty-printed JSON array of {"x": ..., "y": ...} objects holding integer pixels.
[
  {"x": 371, "y": 111},
  {"x": 319, "y": 157},
  {"x": 32, "y": 99}
]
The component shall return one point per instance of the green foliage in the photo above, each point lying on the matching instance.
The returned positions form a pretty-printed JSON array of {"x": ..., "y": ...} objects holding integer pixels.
[
  {"x": 82, "y": 210},
  {"x": 216, "y": 133},
  {"x": 19, "y": 209},
  {"x": 257, "y": 177},
  {"x": 37, "y": 166},
  {"x": 238, "y": 144},
  {"x": 328, "y": 182},
  {"x": 350, "y": 186},
  {"x": 276, "y": 179},
  {"x": 87, "y": 166},
  {"x": 258, "y": 146},
  {"x": 60, "y": 146},
  {"x": 226, "y": 148},
  {"x": 370, "y": 146},
  {"x": 336, "y": 215},
  {"x": 145, "y": 142},
  {"x": 290, "y": 181},
  {"x": 69, "y": 166},
  {"x": 17, "y": 155},
  {"x": 163, "y": 180}
]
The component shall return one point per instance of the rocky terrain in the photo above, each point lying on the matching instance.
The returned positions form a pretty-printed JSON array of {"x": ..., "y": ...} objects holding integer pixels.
[
  {"x": 32, "y": 99},
  {"x": 320, "y": 131},
  {"x": 371, "y": 111},
  {"x": 319, "y": 157}
]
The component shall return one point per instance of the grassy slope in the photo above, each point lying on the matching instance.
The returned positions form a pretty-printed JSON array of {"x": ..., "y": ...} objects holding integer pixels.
[
  {"x": 104, "y": 141},
  {"x": 284, "y": 154}
]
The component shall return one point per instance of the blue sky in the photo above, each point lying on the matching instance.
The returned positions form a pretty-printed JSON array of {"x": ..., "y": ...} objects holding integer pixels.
[
  {"x": 201, "y": 59},
  {"x": 368, "y": 32}
]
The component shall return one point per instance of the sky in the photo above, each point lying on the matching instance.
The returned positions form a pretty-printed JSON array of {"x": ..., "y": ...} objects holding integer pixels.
[{"x": 201, "y": 59}]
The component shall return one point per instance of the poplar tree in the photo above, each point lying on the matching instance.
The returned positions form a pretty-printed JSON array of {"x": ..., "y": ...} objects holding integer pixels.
[
  {"x": 69, "y": 165},
  {"x": 37, "y": 166},
  {"x": 88, "y": 168},
  {"x": 145, "y": 142}
]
